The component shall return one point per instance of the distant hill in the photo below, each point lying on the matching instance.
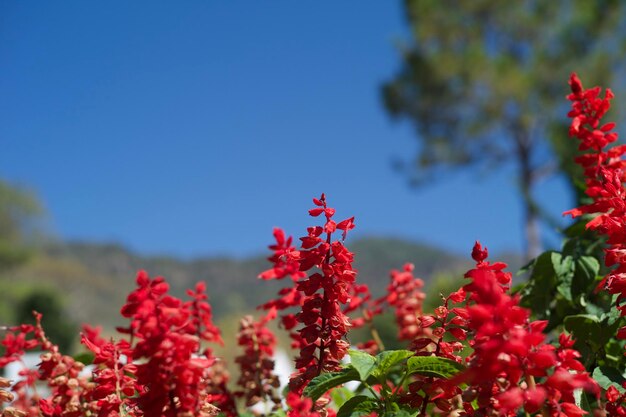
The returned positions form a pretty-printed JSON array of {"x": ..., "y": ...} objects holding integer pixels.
[{"x": 95, "y": 278}]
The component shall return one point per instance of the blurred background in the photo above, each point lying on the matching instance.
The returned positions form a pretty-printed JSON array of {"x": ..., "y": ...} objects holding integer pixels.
[{"x": 173, "y": 137}]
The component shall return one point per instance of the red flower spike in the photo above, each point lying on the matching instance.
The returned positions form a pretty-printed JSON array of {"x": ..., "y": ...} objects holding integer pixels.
[
  {"x": 405, "y": 296},
  {"x": 604, "y": 172},
  {"x": 323, "y": 298},
  {"x": 171, "y": 363},
  {"x": 257, "y": 379},
  {"x": 510, "y": 351},
  {"x": 68, "y": 390}
]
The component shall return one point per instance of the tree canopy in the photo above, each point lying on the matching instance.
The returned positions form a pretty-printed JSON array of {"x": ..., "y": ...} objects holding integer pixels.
[
  {"x": 20, "y": 213},
  {"x": 481, "y": 81}
]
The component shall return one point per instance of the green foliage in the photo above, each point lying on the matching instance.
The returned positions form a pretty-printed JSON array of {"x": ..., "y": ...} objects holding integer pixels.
[
  {"x": 607, "y": 377},
  {"x": 562, "y": 284},
  {"x": 472, "y": 69},
  {"x": 96, "y": 277},
  {"x": 59, "y": 329},
  {"x": 394, "y": 365},
  {"x": 482, "y": 82},
  {"x": 434, "y": 366},
  {"x": 400, "y": 413},
  {"x": 340, "y": 395},
  {"x": 363, "y": 367},
  {"x": 324, "y": 382},
  {"x": 442, "y": 284},
  {"x": 360, "y": 405},
  {"x": 563, "y": 289},
  {"x": 20, "y": 213},
  {"x": 591, "y": 330},
  {"x": 386, "y": 360},
  {"x": 363, "y": 362}
]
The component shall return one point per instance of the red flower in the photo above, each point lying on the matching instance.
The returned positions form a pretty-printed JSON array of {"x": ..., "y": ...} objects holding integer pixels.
[
  {"x": 511, "y": 364},
  {"x": 405, "y": 295},
  {"x": 173, "y": 375},
  {"x": 323, "y": 298},
  {"x": 300, "y": 406},
  {"x": 257, "y": 378},
  {"x": 605, "y": 174}
]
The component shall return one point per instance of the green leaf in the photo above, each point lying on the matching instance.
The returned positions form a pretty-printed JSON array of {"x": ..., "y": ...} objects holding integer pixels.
[
  {"x": 400, "y": 413},
  {"x": 542, "y": 282},
  {"x": 322, "y": 383},
  {"x": 564, "y": 270},
  {"x": 250, "y": 414},
  {"x": 278, "y": 413},
  {"x": 585, "y": 272},
  {"x": 434, "y": 366},
  {"x": 588, "y": 267},
  {"x": 606, "y": 377},
  {"x": 584, "y": 327},
  {"x": 612, "y": 316},
  {"x": 86, "y": 358},
  {"x": 563, "y": 266},
  {"x": 590, "y": 329},
  {"x": 614, "y": 353},
  {"x": 385, "y": 360},
  {"x": 358, "y": 406},
  {"x": 363, "y": 362},
  {"x": 581, "y": 400},
  {"x": 577, "y": 228},
  {"x": 565, "y": 288},
  {"x": 341, "y": 395}
]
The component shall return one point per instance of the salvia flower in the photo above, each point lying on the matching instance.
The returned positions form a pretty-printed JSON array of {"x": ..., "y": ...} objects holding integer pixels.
[
  {"x": 605, "y": 174},
  {"x": 440, "y": 335},
  {"x": 257, "y": 379},
  {"x": 172, "y": 370},
  {"x": 405, "y": 296},
  {"x": 512, "y": 366},
  {"x": 323, "y": 297}
]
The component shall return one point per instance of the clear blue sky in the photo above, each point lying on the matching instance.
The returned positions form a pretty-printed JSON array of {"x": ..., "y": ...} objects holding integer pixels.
[{"x": 195, "y": 127}]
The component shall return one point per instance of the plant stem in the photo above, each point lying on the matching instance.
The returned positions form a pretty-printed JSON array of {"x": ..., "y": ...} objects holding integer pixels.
[
  {"x": 320, "y": 362},
  {"x": 530, "y": 380},
  {"x": 376, "y": 337}
]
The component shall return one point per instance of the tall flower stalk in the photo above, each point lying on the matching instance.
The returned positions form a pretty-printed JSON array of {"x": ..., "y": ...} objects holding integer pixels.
[{"x": 323, "y": 297}]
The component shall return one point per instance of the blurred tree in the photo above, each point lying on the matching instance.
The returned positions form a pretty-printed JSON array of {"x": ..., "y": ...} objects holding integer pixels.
[
  {"x": 481, "y": 81},
  {"x": 442, "y": 284},
  {"x": 20, "y": 215},
  {"x": 59, "y": 328},
  {"x": 20, "y": 212}
]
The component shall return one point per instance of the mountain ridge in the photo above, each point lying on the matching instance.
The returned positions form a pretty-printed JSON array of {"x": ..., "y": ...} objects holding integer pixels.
[{"x": 94, "y": 278}]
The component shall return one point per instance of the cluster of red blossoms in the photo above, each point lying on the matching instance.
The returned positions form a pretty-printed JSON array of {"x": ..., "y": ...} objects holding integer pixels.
[
  {"x": 161, "y": 370},
  {"x": 605, "y": 174},
  {"x": 512, "y": 366},
  {"x": 162, "y": 366},
  {"x": 257, "y": 379},
  {"x": 441, "y": 335},
  {"x": 405, "y": 296},
  {"x": 323, "y": 298},
  {"x": 69, "y": 388}
]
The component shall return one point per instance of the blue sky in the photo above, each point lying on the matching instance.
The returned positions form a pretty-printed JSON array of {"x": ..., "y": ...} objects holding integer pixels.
[{"x": 193, "y": 128}]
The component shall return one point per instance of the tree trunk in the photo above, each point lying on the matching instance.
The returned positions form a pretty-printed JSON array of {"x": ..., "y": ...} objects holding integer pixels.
[
  {"x": 527, "y": 180},
  {"x": 533, "y": 238}
]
